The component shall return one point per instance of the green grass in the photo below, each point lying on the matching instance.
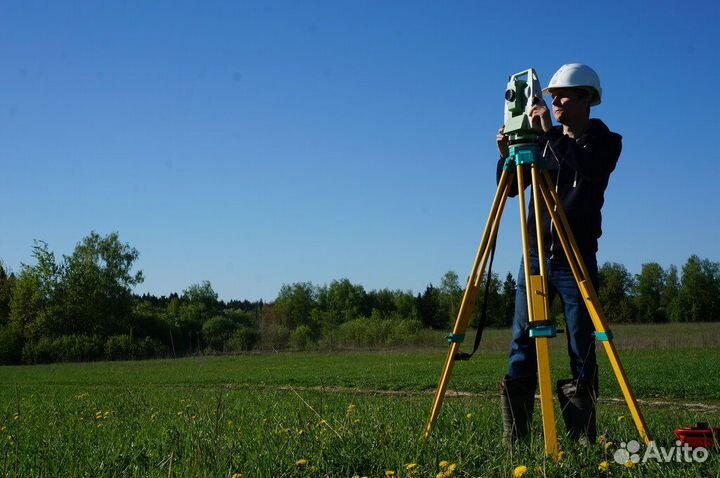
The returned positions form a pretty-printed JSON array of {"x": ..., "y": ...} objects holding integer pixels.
[{"x": 346, "y": 413}]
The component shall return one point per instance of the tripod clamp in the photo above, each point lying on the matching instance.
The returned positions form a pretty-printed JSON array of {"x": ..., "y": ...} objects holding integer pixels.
[
  {"x": 523, "y": 153},
  {"x": 543, "y": 328},
  {"x": 455, "y": 338}
]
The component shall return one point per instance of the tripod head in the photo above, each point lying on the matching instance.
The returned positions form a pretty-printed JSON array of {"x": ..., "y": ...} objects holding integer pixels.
[{"x": 522, "y": 93}]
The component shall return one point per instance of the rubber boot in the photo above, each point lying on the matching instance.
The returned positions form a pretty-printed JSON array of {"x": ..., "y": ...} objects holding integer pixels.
[
  {"x": 517, "y": 398},
  {"x": 577, "y": 402}
]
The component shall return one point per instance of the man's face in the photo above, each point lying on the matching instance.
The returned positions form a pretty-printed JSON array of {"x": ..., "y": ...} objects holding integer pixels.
[{"x": 570, "y": 105}]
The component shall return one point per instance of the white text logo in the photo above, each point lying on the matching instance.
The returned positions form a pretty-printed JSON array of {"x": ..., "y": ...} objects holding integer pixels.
[{"x": 680, "y": 453}]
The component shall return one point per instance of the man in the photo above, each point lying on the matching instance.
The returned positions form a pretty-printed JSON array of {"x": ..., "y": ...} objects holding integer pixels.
[{"x": 580, "y": 154}]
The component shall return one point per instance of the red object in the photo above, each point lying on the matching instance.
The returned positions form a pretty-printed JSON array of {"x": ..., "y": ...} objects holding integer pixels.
[{"x": 701, "y": 435}]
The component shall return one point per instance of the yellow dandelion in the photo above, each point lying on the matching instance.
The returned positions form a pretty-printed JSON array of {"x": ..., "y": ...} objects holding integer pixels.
[
  {"x": 390, "y": 473},
  {"x": 604, "y": 466},
  {"x": 469, "y": 416},
  {"x": 301, "y": 463},
  {"x": 441, "y": 475},
  {"x": 323, "y": 422},
  {"x": 236, "y": 475},
  {"x": 561, "y": 455},
  {"x": 351, "y": 409},
  {"x": 608, "y": 445},
  {"x": 301, "y": 432},
  {"x": 602, "y": 439},
  {"x": 411, "y": 467},
  {"x": 444, "y": 465},
  {"x": 520, "y": 471},
  {"x": 629, "y": 464}
]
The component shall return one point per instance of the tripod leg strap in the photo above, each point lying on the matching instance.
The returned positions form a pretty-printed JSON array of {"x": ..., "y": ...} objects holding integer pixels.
[{"x": 483, "y": 314}]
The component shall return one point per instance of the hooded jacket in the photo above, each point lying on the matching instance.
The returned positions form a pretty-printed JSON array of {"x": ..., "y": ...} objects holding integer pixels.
[{"x": 580, "y": 169}]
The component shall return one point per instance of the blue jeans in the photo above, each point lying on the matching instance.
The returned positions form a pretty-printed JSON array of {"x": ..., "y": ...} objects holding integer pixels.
[{"x": 579, "y": 327}]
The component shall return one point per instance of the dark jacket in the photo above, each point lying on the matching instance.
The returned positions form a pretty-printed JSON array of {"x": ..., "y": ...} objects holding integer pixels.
[{"x": 580, "y": 169}]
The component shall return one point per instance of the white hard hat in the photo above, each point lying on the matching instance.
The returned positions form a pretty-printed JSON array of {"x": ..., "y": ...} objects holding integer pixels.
[{"x": 576, "y": 75}]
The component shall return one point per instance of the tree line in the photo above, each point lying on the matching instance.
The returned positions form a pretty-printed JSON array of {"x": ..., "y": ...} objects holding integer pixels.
[{"x": 82, "y": 307}]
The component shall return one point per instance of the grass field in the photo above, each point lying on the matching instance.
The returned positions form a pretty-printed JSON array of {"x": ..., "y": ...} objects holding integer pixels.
[{"x": 341, "y": 414}]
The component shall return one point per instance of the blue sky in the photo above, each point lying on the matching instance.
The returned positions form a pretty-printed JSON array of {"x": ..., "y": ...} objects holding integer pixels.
[{"x": 254, "y": 144}]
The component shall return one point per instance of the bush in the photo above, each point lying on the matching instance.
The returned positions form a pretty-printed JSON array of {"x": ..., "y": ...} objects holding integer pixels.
[
  {"x": 11, "y": 345},
  {"x": 40, "y": 351},
  {"x": 77, "y": 348},
  {"x": 373, "y": 332},
  {"x": 244, "y": 339},
  {"x": 274, "y": 337},
  {"x": 149, "y": 348},
  {"x": 66, "y": 348},
  {"x": 403, "y": 332},
  {"x": 124, "y": 347},
  {"x": 301, "y": 338},
  {"x": 217, "y": 331},
  {"x": 146, "y": 324},
  {"x": 119, "y": 347}
]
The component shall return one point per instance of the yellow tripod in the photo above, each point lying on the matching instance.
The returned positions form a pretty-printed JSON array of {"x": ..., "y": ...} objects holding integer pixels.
[{"x": 525, "y": 156}]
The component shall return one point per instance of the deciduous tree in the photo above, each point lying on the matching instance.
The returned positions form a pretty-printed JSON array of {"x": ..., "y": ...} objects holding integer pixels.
[
  {"x": 616, "y": 284},
  {"x": 648, "y": 288}
]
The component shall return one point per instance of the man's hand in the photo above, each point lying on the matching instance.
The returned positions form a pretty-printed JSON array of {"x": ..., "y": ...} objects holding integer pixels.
[
  {"x": 502, "y": 143},
  {"x": 540, "y": 115}
]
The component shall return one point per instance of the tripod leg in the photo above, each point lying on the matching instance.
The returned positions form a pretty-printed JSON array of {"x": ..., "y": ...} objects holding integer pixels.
[
  {"x": 536, "y": 287},
  {"x": 590, "y": 297},
  {"x": 470, "y": 296}
]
